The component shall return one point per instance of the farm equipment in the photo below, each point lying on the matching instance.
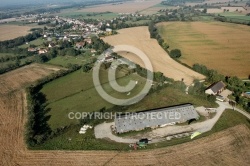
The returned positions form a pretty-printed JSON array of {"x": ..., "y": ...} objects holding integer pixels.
[{"x": 141, "y": 144}]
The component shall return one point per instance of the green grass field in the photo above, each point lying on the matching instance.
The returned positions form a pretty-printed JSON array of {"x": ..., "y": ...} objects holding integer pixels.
[
  {"x": 236, "y": 16},
  {"x": 76, "y": 93},
  {"x": 169, "y": 97},
  {"x": 37, "y": 42},
  {"x": 65, "y": 60}
]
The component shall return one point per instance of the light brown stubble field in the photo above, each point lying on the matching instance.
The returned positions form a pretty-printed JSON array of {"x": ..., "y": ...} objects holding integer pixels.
[
  {"x": 139, "y": 37},
  {"x": 8, "y": 32},
  {"x": 126, "y": 7},
  {"x": 228, "y": 147},
  {"x": 220, "y": 46}
]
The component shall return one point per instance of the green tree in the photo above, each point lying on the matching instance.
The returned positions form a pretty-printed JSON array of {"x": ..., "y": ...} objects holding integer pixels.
[{"x": 176, "y": 53}]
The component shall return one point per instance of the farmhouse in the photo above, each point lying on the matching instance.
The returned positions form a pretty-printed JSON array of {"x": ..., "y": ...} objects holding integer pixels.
[
  {"x": 51, "y": 45},
  {"x": 32, "y": 49},
  {"x": 215, "y": 88},
  {"x": 89, "y": 41},
  {"x": 155, "y": 118}
]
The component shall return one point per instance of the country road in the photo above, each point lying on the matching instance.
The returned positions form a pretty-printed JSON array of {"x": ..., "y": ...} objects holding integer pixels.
[{"x": 104, "y": 130}]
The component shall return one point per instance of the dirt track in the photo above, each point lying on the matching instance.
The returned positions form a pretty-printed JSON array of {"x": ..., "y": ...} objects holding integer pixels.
[
  {"x": 229, "y": 147},
  {"x": 139, "y": 37}
]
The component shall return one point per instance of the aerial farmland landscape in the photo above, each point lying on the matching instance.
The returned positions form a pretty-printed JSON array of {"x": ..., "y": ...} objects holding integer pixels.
[{"x": 125, "y": 82}]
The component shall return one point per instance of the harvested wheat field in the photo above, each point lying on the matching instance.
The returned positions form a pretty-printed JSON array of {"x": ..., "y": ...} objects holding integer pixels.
[
  {"x": 139, "y": 37},
  {"x": 220, "y": 46},
  {"x": 20, "y": 78},
  {"x": 228, "y": 147},
  {"x": 8, "y": 32},
  {"x": 125, "y": 7}
]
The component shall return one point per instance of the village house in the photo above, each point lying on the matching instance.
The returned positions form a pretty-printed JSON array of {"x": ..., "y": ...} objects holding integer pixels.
[
  {"x": 215, "y": 88},
  {"x": 80, "y": 45},
  {"x": 32, "y": 49},
  {"x": 42, "y": 51},
  {"x": 88, "y": 40},
  {"x": 51, "y": 45}
]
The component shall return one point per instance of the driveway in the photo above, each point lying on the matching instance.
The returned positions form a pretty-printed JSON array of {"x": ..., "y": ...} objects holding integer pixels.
[{"x": 104, "y": 130}]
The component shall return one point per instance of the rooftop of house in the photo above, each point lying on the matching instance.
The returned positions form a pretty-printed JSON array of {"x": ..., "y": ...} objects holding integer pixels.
[
  {"x": 215, "y": 87},
  {"x": 80, "y": 44}
]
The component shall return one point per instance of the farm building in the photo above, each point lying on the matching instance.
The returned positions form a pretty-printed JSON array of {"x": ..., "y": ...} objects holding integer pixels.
[
  {"x": 155, "y": 118},
  {"x": 131, "y": 65},
  {"x": 215, "y": 88}
]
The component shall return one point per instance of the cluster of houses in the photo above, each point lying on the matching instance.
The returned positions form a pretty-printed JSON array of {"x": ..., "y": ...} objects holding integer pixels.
[{"x": 78, "y": 46}]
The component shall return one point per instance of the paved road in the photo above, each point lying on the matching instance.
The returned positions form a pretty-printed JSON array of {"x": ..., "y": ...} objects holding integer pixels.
[{"x": 104, "y": 131}]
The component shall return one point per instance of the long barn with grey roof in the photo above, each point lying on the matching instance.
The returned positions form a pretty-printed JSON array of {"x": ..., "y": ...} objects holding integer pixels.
[{"x": 155, "y": 118}]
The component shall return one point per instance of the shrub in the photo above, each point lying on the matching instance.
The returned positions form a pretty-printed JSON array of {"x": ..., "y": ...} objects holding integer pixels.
[{"x": 176, "y": 53}]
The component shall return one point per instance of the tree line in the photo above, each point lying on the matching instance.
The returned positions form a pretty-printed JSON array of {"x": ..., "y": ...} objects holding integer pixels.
[
  {"x": 19, "y": 41},
  {"x": 37, "y": 129}
]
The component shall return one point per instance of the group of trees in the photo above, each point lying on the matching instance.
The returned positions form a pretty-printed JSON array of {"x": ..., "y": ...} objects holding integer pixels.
[
  {"x": 199, "y": 90},
  {"x": 37, "y": 128},
  {"x": 175, "y": 53},
  {"x": 212, "y": 75}
]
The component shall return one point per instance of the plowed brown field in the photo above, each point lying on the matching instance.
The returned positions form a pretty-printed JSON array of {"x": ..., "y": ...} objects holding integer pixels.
[{"x": 229, "y": 147}]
